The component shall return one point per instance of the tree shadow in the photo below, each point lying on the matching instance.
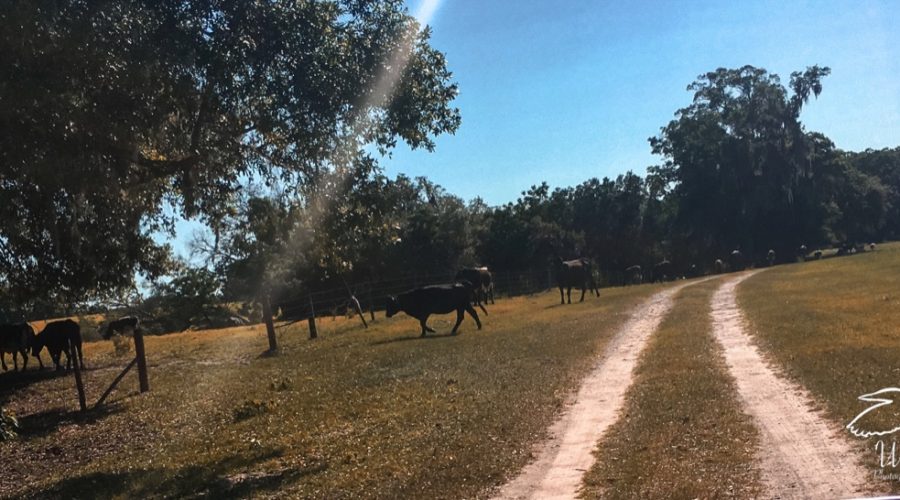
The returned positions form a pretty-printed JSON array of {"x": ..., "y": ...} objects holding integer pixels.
[
  {"x": 43, "y": 423},
  {"x": 237, "y": 476},
  {"x": 12, "y": 382}
]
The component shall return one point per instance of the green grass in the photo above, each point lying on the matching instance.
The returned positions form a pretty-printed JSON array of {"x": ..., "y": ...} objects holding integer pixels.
[
  {"x": 683, "y": 434},
  {"x": 834, "y": 326},
  {"x": 357, "y": 413}
]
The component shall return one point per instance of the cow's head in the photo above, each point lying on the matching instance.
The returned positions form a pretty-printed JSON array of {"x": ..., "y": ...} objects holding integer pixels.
[{"x": 393, "y": 306}]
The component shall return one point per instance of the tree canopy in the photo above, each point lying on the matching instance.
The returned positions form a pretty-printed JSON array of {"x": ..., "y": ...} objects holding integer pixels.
[{"x": 118, "y": 116}]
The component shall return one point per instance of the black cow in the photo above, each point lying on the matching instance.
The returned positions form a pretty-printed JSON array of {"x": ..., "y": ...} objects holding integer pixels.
[
  {"x": 737, "y": 261},
  {"x": 662, "y": 271},
  {"x": 719, "y": 266},
  {"x": 483, "y": 282},
  {"x": 420, "y": 303},
  {"x": 57, "y": 337},
  {"x": 770, "y": 257},
  {"x": 123, "y": 325},
  {"x": 16, "y": 339},
  {"x": 575, "y": 273},
  {"x": 803, "y": 252},
  {"x": 634, "y": 275}
]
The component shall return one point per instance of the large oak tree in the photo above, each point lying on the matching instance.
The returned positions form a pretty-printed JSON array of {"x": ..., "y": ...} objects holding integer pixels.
[{"x": 116, "y": 116}]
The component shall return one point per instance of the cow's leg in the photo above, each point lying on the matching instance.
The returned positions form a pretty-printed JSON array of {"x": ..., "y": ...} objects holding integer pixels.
[
  {"x": 474, "y": 314},
  {"x": 80, "y": 356},
  {"x": 425, "y": 328},
  {"x": 562, "y": 297},
  {"x": 459, "y": 318},
  {"x": 569, "y": 294},
  {"x": 15, "y": 356},
  {"x": 40, "y": 362},
  {"x": 582, "y": 293}
]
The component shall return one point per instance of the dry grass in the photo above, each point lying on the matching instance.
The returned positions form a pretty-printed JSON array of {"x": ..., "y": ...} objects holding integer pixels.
[
  {"x": 683, "y": 434},
  {"x": 832, "y": 325},
  {"x": 376, "y": 413}
]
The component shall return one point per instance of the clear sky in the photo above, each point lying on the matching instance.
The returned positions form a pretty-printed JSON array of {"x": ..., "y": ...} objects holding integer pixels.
[
  {"x": 561, "y": 91},
  {"x": 567, "y": 90}
]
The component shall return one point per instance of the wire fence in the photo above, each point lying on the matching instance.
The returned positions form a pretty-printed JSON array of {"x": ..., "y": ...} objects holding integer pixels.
[{"x": 371, "y": 296}]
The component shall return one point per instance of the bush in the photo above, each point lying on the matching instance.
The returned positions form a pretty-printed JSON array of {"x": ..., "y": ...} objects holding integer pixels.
[
  {"x": 8, "y": 425},
  {"x": 122, "y": 344}
]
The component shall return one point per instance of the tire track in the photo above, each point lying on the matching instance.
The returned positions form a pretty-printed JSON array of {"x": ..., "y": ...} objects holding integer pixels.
[
  {"x": 801, "y": 455},
  {"x": 565, "y": 457}
]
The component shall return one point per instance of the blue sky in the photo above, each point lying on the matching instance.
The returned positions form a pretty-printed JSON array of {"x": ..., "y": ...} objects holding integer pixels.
[
  {"x": 564, "y": 91},
  {"x": 561, "y": 91}
]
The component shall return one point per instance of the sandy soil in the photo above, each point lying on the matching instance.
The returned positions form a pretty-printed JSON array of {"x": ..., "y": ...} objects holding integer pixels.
[
  {"x": 801, "y": 455},
  {"x": 563, "y": 459}
]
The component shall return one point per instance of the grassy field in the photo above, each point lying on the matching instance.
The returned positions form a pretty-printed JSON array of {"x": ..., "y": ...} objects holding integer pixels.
[
  {"x": 356, "y": 413},
  {"x": 834, "y": 326},
  {"x": 683, "y": 434}
]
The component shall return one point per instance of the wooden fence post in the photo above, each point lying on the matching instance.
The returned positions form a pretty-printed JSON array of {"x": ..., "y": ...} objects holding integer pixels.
[
  {"x": 270, "y": 326},
  {"x": 371, "y": 303},
  {"x": 79, "y": 385},
  {"x": 313, "y": 333},
  {"x": 141, "y": 360}
]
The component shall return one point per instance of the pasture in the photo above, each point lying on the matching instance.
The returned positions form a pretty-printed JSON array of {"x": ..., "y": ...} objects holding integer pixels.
[
  {"x": 356, "y": 413},
  {"x": 386, "y": 413}
]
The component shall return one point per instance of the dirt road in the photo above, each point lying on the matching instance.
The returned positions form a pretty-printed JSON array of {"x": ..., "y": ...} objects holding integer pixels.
[
  {"x": 801, "y": 455},
  {"x": 562, "y": 460}
]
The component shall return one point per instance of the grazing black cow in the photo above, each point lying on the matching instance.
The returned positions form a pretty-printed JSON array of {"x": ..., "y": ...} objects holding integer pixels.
[
  {"x": 123, "y": 325},
  {"x": 481, "y": 280},
  {"x": 662, "y": 271},
  {"x": 57, "y": 337},
  {"x": 16, "y": 339},
  {"x": 634, "y": 275},
  {"x": 420, "y": 303},
  {"x": 575, "y": 273},
  {"x": 770, "y": 257},
  {"x": 737, "y": 261},
  {"x": 719, "y": 266}
]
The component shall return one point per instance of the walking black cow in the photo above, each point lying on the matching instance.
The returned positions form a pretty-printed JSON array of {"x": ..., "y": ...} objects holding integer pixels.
[
  {"x": 575, "y": 273},
  {"x": 481, "y": 280},
  {"x": 16, "y": 339},
  {"x": 123, "y": 325},
  {"x": 57, "y": 337},
  {"x": 420, "y": 303}
]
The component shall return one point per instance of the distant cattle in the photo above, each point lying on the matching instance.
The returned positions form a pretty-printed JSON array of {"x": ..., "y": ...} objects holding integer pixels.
[
  {"x": 693, "y": 271},
  {"x": 736, "y": 260},
  {"x": 817, "y": 254},
  {"x": 634, "y": 275},
  {"x": 481, "y": 280},
  {"x": 719, "y": 266},
  {"x": 575, "y": 273},
  {"x": 803, "y": 252},
  {"x": 123, "y": 325},
  {"x": 871, "y": 247},
  {"x": 16, "y": 339},
  {"x": 662, "y": 271},
  {"x": 57, "y": 337},
  {"x": 420, "y": 303},
  {"x": 770, "y": 257}
]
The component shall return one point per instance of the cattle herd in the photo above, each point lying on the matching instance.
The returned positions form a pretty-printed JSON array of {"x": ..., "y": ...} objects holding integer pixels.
[
  {"x": 475, "y": 286},
  {"x": 59, "y": 337},
  {"x": 472, "y": 287}
]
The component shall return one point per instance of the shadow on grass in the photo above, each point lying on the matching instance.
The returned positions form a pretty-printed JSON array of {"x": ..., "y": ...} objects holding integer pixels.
[
  {"x": 45, "y": 422},
  {"x": 11, "y": 382},
  {"x": 233, "y": 477},
  {"x": 430, "y": 336}
]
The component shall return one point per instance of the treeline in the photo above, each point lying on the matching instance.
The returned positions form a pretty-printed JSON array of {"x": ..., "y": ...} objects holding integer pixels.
[{"x": 260, "y": 120}]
